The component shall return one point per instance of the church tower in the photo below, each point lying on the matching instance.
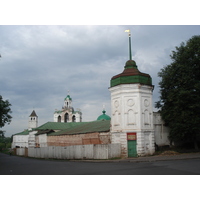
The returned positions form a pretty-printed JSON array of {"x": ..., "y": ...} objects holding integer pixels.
[
  {"x": 67, "y": 114},
  {"x": 131, "y": 110},
  {"x": 33, "y": 120}
]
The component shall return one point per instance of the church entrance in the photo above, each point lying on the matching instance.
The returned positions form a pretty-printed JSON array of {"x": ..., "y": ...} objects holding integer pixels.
[{"x": 131, "y": 143}]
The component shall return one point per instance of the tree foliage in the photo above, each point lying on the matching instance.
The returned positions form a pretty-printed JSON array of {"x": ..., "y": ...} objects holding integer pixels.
[
  {"x": 179, "y": 102},
  {"x": 5, "y": 112}
]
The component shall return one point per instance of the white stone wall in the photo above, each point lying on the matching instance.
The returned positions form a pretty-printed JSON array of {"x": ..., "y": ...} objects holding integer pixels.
[
  {"x": 42, "y": 139},
  {"x": 31, "y": 139},
  {"x": 55, "y": 116},
  {"x": 144, "y": 145},
  {"x": 131, "y": 107},
  {"x": 20, "y": 140},
  {"x": 131, "y": 111},
  {"x": 161, "y": 131},
  {"x": 33, "y": 122},
  {"x": 78, "y": 116}
]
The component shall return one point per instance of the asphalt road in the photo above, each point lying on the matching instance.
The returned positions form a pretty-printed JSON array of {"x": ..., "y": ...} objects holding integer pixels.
[{"x": 14, "y": 165}]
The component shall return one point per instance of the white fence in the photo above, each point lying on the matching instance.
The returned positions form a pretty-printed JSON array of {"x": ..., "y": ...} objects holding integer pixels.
[
  {"x": 92, "y": 151},
  {"x": 20, "y": 151}
]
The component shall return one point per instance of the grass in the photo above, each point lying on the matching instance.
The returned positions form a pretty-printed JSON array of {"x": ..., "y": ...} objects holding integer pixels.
[{"x": 5, "y": 150}]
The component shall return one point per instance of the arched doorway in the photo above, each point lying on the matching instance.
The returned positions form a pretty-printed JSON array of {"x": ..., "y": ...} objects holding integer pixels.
[
  {"x": 66, "y": 117},
  {"x": 59, "y": 118},
  {"x": 74, "y": 118}
]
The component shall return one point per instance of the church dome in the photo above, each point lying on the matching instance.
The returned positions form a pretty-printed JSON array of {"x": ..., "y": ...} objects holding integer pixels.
[
  {"x": 130, "y": 63},
  {"x": 68, "y": 97},
  {"x": 131, "y": 75},
  {"x": 103, "y": 116}
]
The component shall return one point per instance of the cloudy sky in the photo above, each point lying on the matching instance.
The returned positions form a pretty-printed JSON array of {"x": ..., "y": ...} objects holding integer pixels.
[{"x": 39, "y": 64}]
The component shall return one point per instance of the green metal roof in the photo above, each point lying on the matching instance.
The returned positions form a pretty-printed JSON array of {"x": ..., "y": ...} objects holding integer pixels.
[
  {"x": 131, "y": 75},
  {"x": 57, "y": 125},
  {"x": 76, "y": 127},
  {"x": 25, "y": 132}
]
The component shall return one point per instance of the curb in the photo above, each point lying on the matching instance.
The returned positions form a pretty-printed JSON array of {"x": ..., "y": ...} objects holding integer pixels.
[{"x": 147, "y": 159}]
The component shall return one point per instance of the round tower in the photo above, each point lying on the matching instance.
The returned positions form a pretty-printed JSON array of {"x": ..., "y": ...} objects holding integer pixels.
[{"x": 131, "y": 110}]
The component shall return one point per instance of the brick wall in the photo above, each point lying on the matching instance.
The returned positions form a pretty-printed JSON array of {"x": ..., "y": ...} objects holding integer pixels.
[{"x": 79, "y": 139}]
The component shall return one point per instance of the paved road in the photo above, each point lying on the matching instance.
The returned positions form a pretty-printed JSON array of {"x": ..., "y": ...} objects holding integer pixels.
[{"x": 14, "y": 165}]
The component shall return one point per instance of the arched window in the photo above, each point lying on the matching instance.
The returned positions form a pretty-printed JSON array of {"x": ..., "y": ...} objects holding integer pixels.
[
  {"x": 59, "y": 118},
  {"x": 66, "y": 117},
  {"x": 74, "y": 118},
  {"x": 131, "y": 117},
  {"x": 116, "y": 118}
]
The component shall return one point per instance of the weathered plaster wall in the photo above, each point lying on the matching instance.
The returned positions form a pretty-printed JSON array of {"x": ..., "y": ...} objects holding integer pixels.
[
  {"x": 20, "y": 140},
  {"x": 131, "y": 111}
]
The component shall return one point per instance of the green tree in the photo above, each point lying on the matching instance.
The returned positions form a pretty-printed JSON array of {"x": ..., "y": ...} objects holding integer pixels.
[
  {"x": 179, "y": 102},
  {"x": 5, "y": 112}
]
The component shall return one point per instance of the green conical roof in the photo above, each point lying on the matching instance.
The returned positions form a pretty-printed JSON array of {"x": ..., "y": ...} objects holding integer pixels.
[
  {"x": 103, "y": 116},
  {"x": 131, "y": 75}
]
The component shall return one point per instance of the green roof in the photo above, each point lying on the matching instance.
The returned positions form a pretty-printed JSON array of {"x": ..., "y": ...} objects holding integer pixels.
[
  {"x": 57, "y": 125},
  {"x": 76, "y": 127},
  {"x": 25, "y": 132},
  {"x": 68, "y": 97},
  {"x": 131, "y": 75}
]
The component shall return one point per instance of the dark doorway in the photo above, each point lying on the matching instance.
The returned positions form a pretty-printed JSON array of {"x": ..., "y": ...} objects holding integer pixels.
[
  {"x": 66, "y": 117},
  {"x": 59, "y": 118},
  {"x": 73, "y": 118}
]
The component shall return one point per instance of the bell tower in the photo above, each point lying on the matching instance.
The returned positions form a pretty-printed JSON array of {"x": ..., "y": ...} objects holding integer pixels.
[
  {"x": 33, "y": 120},
  {"x": 68, "y": 102},
  {"x": 67, "y": 114},
  {"x": 131, "y": 110}
]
